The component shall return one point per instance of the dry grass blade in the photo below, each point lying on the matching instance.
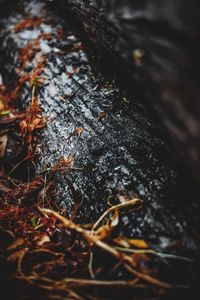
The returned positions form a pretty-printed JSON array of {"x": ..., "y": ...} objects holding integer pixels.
[
  {"x": 80, "y": 282},
  {"x": 132, "y": 202},
  {"x": 92, "y": 239}
]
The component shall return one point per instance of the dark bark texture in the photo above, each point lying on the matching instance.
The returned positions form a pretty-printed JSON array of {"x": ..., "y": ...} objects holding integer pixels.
[
  {"x": 158, "y": 41},
  {"x": 123, "y": 150}
]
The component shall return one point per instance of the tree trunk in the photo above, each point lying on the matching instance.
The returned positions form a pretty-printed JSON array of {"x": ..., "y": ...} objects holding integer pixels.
[
  {"x": 121, "y": 150},
  {"x": 159, "y": 45}
]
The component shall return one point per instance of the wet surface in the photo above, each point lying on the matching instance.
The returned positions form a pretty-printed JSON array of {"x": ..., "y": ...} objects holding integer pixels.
[
  {"x": 122, "y": 149},
  {"x": 159, "y": 45}
]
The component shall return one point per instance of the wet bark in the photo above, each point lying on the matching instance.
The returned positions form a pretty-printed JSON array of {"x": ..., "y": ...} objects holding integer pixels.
[
  {"x": 122, "y": 152},
  {"x": 159, "y": 46}
]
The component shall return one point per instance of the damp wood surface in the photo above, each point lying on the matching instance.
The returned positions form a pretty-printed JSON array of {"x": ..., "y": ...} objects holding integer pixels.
[
  {"x": 120, "y": 150},
  {"x": 158, "y": 44}
]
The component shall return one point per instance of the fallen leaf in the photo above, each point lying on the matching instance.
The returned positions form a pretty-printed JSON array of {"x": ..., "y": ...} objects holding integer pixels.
[
  {"x": 129, "y": 243},
  {"x": 77, "y": 132},
  {"x": 141, "y": 244},
  {"x": 16, "y": 244},
  {"x": 44, "y": 239},
  {"x": 34, "y": 221},
  {"x": 5, "y": 112},
  {"x": 2, "y": 106},
  {"x": 28, "y": 23},
  {"x": 3, "y": 144},
  {"x": 101, "y": 116}
]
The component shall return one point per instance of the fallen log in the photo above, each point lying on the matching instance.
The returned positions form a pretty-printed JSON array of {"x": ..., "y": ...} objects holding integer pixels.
[
  {"x": 158, "y": 43},
  {"x": 119, "y": 148}
]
